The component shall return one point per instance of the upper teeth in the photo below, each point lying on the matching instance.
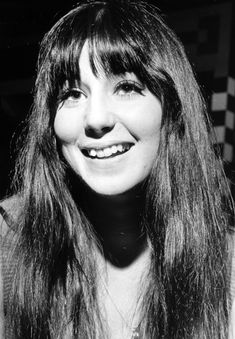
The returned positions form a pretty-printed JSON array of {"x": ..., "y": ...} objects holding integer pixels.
[{"x": 106, "y": 152}]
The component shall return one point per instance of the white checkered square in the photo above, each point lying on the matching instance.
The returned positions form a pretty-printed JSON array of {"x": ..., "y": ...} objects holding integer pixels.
[
  {"x": 219, "y": 101},
  {"x": 228, "y": 152},
  {"x": 230, "y": 120},
  {"x": 220, "y": 134}
]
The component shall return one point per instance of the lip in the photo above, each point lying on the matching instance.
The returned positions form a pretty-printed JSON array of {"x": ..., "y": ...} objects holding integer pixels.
[{"x": 100, "y": 146}]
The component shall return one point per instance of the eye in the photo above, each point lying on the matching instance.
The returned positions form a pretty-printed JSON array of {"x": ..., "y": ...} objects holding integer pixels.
[
  {"x": 128, "y": 88},
  {"x": 70, "y": 97}
]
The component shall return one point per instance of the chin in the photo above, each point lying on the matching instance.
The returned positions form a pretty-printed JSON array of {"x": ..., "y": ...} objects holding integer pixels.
[{"x": 111, "y": 188}]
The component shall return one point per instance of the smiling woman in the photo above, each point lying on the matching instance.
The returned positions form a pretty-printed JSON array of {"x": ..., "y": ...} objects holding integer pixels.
[{"x": 118, "y": 226}]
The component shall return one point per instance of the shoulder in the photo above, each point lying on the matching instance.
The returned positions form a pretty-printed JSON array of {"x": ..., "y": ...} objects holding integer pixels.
[
  {"x": 9, "y": 211},
  {"x": 232, "y": 285},
  {"x": 1, "y": 306},
  {"x": 11, "y": 204},
  {"x": 232, "y": 263}
]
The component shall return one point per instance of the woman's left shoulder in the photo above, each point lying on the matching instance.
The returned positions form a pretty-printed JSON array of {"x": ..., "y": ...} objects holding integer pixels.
[
  {"x": 232, "y": 284},
  {"x": 231, "y": 249}
]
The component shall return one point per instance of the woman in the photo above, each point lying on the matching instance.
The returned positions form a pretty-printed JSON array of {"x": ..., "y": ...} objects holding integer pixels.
[{"x": 119, "y": 224}]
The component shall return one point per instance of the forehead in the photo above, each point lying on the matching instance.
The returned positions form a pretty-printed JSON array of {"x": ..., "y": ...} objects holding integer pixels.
[
  {"x": 85, "y": 66},
  {"x": 86, "y": 72}
]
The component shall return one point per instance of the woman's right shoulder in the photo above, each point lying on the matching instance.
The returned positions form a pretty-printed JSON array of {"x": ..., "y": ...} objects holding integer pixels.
[{"x": 9, "y": 211}]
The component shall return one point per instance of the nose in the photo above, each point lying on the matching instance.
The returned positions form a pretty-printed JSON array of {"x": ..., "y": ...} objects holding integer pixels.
[{"x": 99, "y": 118}]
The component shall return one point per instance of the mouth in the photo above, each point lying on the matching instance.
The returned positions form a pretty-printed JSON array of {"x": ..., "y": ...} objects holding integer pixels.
[{"x": 107, "y": 152}]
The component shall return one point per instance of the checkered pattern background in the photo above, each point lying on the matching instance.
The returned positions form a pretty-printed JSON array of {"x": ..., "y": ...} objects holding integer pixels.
[{"x": 207, "y": 35}]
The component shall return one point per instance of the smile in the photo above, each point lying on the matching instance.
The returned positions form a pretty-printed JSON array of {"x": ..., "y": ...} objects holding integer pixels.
[{"x": 107, "y": 152}]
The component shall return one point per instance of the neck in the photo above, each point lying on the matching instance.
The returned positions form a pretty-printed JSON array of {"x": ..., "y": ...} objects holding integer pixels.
[{"x": 116, "y": 221}]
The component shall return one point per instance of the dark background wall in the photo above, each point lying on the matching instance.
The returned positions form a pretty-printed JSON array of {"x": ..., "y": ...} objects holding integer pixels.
[{"x": 206, "y": 28}]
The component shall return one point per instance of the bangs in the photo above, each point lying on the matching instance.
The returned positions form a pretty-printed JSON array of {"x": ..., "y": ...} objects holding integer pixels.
[{"x": 111, "y": 50}]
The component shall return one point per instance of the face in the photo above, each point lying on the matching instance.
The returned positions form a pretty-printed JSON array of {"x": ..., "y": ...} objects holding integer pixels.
[{"x": 109, "y": 129}]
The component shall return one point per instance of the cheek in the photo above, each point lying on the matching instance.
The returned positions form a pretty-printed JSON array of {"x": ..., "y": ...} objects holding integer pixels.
[
  {"x": 148, "y": 123},
  {"x": 67, "y": 126}
]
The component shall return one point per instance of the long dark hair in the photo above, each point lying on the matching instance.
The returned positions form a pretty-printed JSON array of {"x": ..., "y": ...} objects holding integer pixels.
[{"x": 187, "y": 197}]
